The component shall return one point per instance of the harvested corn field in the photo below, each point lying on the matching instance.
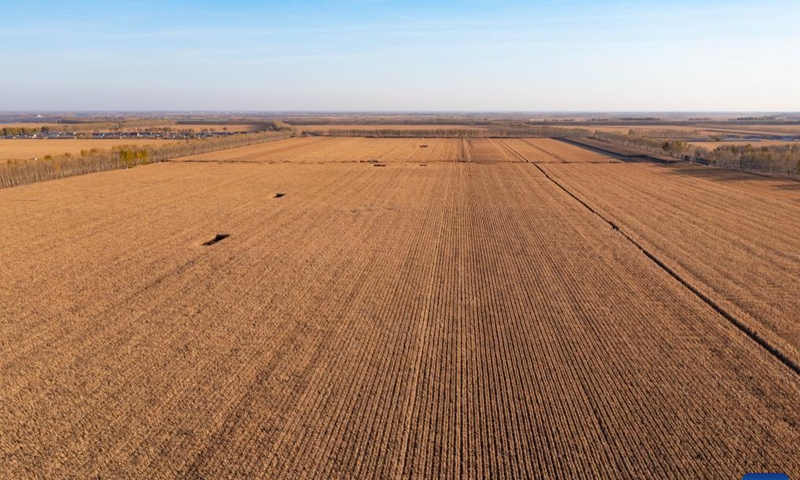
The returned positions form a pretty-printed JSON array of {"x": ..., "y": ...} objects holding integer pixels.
[
  {"x": 341, "y": 150},
  {"x": 406, "y": 150},
  {"x": 548, "y": 150},
  {"x": 286, "y": 310},
  {"x": 732, "y": 235}
]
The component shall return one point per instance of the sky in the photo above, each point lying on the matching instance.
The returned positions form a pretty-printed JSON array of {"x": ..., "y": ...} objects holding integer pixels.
[{"x": 393, "y": 55}]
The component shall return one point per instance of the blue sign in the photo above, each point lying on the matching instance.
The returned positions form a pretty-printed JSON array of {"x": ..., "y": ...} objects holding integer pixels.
[{"x": 766, "y": 476}]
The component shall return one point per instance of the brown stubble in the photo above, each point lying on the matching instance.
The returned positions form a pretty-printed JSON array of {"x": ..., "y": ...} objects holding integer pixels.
[{"x": 457, "y": 320}]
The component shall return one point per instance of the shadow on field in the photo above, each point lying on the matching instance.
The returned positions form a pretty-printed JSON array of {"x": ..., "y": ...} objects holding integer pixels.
[{"x": 217, "y": 238}]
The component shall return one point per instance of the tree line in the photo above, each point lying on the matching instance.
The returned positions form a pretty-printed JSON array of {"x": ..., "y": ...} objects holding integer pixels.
[
  {"x": 17, "y": 131},
  {"x": 773, "y": 159},
  {"x": 664, "y": 133},
  {"x": 19, "y": 172}
]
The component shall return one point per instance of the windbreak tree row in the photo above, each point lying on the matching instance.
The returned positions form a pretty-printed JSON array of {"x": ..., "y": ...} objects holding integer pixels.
[{"x": 20, "y": 172}]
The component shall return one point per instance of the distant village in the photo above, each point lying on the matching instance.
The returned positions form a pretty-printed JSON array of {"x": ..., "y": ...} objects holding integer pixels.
[{"x": 155, "y": 134}]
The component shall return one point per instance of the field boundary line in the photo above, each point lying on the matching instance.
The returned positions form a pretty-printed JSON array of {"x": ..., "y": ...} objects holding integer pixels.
[
  {"x": 563, "y": 160},
  {"x": 601, "y": 151},
  {"x": 514, "y": 151},
  {"x": 749, "y": 332}
]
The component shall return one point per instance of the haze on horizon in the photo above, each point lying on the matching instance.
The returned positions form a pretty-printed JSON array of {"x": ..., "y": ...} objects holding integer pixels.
[{"x": 384, "y": 55}]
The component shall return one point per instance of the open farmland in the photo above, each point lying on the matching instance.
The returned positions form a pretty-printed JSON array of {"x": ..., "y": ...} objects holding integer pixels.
[
  {"x": 740, "y": 143},
  {"x": 547, "y": 150},
  {"x": 405, "y": 150},
  {"x": 376, "y": 127},
  {"x": 29, "y": 125},
  {"x": 23, "y": 149},
  {"x": 792, "y": 129},
  {"x": 624, "y": 129},
  {"x": 704, "y": 129},
  {"x": 469, "y": 318},
  {"x": 732, "y": 235},
  {"x": 340, "y": 150}
]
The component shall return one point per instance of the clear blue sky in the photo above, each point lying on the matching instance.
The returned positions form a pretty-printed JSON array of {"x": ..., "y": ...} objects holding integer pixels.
[{"x": 361, "y": 55}]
